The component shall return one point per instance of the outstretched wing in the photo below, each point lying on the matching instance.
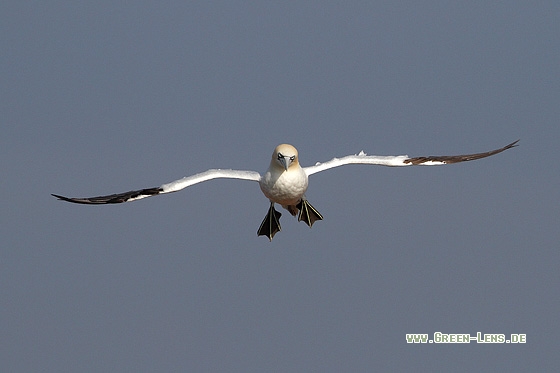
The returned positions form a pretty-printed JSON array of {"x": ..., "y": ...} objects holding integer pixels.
[
  {"x": 133, "y": 195},
  {"x": 402, "y": 160},
  {"x": 173, "y": 186}
]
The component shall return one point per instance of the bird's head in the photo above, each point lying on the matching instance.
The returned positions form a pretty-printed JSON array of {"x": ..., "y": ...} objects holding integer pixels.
[{"x": 285, "y": 156}]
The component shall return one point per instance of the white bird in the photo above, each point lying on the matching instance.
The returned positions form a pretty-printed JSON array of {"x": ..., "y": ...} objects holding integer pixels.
[{"x": 285, "y": 182}]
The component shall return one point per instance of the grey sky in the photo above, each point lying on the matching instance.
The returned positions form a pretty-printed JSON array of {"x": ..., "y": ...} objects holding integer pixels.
[{"x": 104, "y": 97}]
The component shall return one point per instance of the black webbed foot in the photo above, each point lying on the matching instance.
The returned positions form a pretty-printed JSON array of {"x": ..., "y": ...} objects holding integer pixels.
[
  {"x": 308, "y": 213},
  {"x": 271, "y": 223}
]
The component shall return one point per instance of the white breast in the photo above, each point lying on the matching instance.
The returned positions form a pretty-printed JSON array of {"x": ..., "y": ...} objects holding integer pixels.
[{"x": 284, "y": 187}]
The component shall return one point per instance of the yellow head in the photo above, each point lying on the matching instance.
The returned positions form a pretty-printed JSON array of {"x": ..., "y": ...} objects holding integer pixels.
[{"x": 285, "y": 156}]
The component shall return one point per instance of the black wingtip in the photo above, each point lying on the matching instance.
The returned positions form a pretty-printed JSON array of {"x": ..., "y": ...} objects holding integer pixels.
[
  {"x": 61, "y": 198},
  {"x": 113, "y": 198},
  {"x": 74, "y": 200},
  {"x": 450, "y": 159}
]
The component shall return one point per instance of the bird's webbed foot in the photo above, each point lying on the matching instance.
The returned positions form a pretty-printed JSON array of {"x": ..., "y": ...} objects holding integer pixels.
[
  {"x": 271, "y": 223},
  {"x": 308, "y": 213}
]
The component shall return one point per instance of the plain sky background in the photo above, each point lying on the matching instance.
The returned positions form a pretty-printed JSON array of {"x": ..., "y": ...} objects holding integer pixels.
[{"x": 106, "y": 96}]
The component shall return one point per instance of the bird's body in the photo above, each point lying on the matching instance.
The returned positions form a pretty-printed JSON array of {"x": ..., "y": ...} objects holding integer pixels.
[
  {"x": 285, "y": 182},
  {"x": 284, "y": 188}
]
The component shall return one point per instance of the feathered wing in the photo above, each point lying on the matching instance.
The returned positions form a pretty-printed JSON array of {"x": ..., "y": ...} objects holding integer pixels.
[
  {"x": 173, "y": 186},
  {"x": 402, "y": 160},
  {"x": 449, "y": 159}
]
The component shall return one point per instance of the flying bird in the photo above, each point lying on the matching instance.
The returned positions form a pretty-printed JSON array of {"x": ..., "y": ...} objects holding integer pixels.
[{"x": 285, "y": 182}]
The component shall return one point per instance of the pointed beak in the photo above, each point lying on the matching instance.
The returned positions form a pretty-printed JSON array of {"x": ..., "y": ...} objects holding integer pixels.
[{"x": 285, "y": 162}]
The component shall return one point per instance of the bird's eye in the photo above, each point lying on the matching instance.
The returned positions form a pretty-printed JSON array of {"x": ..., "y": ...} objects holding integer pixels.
[
  {"x": 292, "y": 158},
  {"x": 280, "y": 156}
]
